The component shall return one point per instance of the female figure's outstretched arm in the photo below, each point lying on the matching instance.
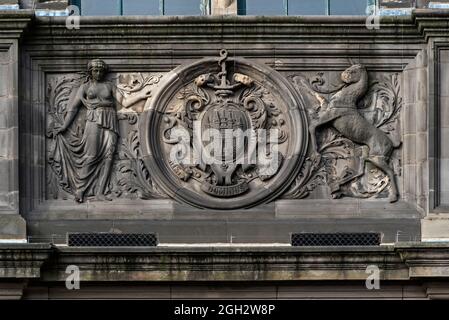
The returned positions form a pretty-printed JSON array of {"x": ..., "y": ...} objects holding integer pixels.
[
  {"x": 127, "y": 102},
  {"x": 73, "y": 107}
]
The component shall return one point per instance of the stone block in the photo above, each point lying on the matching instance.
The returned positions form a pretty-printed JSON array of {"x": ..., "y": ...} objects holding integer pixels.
[
  {"x": 435, "y": 228},
  {"x": 421, "y": 58},
  {"x": 443, "y": 55},
  {"x": 38, "y": 142},
  {"x": 380, "y": 208},
  {"x": 444, "y": 79},
  {"x": 342, "y": 208},
  {"x": 223, "y": 292},
  {"x": 88, "y": 291},
  {"x": 4, "y": 56},
  {"x": 224, "y": 7},
  {"x": 52, "y": 4},
  {"x": 6, "y": 174},
  {"x": 4, "y": 117},
  {"x": 306, "y": 291},
  {"x": 421, "y": 86},
  {"x": 9, "y": 143},
  {"x": 423, "y": 179},
  {"x": 410, "y": 182},
  {"x": 4, "y": 83},
  {"x": 421, "y": 147},
  {"x": 421, "y": 116},
  {"x": 12, "y": 290},
  {"x": 12, "y": 227},
  {"x": 444, "y": 147},
  {"x": 409, "y": 144},
  {"x": 6, "y": 2},
  {"x": 409, "y": 119},
  {"x": 444, "y": 175},
  {"x": 444, "y": 111},
  {"x": 409, "y": 86},
  {"x": 443, "y": 200}
]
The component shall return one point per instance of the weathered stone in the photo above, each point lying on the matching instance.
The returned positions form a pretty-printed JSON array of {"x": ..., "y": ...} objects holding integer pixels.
[
  {"x": 252, "y": 100},
  {"x": 52, "y": 4},
  {"x": 444, "y": 75},
  {"x": 224, "y": 7},
  {"x": 409, "y": 86},
  {"x": 444, "y": 176},
  {"x": 5, "y": 2},
  {"x": 4, "y": 85},
  {"x": 12, "y": 228},
  {"x": 12, "y": 225},
  {"x": 421, "y": 147},
  {"x": 421, "y": 86},
  {"x": 409, "y": 119},
  {"x": 410, "y": 183},
  {"x": 422, "y": 117},
  {"x": 8, "y": 169},
  {"x": 409, "y": 141},
  {"x": 12, "y": 290},
  {"x": 403, "y": 80},
  {"x": 444, "y": 149},
  {"x": 9, "y": 143}
]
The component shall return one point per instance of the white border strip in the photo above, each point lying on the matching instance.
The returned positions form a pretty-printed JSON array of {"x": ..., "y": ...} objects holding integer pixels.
[
  {"x": 13, "y": 241},
  {"x": 9, "y": 7},
  {"x": 435, "y": 240},
  {"x": 221, "y": 245}
]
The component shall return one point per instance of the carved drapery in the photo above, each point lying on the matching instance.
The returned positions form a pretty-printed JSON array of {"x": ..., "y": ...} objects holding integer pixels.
[{"x": 76, "y": 156}]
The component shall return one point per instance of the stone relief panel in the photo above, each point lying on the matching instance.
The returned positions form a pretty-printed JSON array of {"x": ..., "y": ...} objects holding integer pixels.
[
  {"x": 223, "y": 133},
  {"x": 354, "y": 125},
  {"x": 92, "y": 135}
]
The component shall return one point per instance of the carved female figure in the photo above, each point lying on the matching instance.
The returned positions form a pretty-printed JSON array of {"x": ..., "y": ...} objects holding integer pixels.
[{"x": 85, "y": 163}]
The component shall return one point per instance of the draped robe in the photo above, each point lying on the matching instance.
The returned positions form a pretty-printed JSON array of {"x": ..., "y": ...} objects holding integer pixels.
[{"x": 80, "y": 161}]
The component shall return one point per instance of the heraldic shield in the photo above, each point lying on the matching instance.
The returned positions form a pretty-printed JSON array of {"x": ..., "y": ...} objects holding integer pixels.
[{"x": 224, "y": 133}]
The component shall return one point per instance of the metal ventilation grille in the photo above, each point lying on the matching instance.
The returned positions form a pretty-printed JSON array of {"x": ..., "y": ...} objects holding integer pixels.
[
  {"x": 336, "y": 239},
  {"x": 111, "y": 240}
]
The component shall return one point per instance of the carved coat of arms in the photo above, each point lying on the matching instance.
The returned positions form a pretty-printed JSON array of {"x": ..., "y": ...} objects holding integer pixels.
[{"x": 224, "y": 135}]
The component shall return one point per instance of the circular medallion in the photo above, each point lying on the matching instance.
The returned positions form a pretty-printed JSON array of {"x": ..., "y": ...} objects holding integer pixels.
[{"x": 224, "y": 133}]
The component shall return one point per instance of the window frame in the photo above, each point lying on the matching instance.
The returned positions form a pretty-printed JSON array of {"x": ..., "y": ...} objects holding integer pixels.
[
  {"x": 241, "y": 7},
  {"x": 161, "y": 7}
]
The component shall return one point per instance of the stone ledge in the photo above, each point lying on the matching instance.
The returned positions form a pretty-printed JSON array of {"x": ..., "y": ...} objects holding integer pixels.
[
  {"x": 231, "y": 263},
  {"x": 14, "y": 22},
  {"x": 209, "y": 29},
  {"x": 420, "y": 25},
  {"x": 22, "y": 261},
  {"x": 404, "y": 261}
]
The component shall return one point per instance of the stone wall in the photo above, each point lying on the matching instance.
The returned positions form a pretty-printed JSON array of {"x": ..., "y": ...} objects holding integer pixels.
[
  {"x": 398, "y": 71},
  {"x": 12, "y": 225},
  {"x": 286, "y": 73},
  {"x": 308, "y": 204}
]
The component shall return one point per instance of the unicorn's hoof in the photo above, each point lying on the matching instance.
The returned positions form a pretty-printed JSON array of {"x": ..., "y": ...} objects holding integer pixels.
[{"x": 393, "y": 197}]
